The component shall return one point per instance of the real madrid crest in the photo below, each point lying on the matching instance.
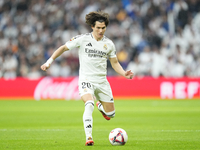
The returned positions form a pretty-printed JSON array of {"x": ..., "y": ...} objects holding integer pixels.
[
  {"x": 105, "y": 47},
  {"x": 85, "y": 90}
]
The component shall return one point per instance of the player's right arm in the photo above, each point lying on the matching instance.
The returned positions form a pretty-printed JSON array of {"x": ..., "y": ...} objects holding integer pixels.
[{"x": 56, "y": 54}]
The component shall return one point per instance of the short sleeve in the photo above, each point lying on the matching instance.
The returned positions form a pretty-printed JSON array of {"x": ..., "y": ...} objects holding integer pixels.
[
  {"x": 112, "y": 53},
  {"x": 74, "y": 42}
]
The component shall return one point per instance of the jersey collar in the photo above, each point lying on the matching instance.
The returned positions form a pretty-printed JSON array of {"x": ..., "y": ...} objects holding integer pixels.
[{"x": 95, "y": 39}]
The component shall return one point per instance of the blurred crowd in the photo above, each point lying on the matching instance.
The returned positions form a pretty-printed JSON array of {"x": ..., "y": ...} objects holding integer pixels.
[{"x": 152, "y": 37}]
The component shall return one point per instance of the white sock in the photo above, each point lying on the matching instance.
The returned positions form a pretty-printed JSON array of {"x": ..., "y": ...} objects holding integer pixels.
[
  {"x": 109, "y": 114},
  {"x": 87, "y": 118}
]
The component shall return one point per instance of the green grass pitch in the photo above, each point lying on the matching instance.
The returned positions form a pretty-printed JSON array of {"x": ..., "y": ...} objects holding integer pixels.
[{"x": 57, "y": 125}]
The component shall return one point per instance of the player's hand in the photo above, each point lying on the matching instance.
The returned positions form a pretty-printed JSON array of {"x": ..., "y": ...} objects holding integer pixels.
[
  {"x": 129, "y": 74},
  {"x": 44, "y": 67}
]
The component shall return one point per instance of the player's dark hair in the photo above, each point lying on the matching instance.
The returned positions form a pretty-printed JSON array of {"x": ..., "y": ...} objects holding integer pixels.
[{"x": 94, "y": 16}]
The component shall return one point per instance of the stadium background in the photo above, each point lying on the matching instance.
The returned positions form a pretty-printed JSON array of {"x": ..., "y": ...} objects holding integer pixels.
[
  {"x": 152, "y": 37},
  {"x": 159, "y": 40}
]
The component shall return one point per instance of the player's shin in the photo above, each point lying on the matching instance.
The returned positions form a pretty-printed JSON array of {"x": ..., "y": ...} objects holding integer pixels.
[{"x": 87, "y": 118}]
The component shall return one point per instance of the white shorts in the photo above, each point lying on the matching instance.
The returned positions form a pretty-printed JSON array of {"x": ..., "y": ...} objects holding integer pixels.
[{"x": 100, "y": 91}]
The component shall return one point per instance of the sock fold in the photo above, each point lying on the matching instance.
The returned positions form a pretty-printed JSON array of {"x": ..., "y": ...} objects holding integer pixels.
[{"x": 109, "y": 114}]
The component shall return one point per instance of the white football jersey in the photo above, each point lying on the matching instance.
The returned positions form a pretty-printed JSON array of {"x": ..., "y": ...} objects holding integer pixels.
[{"x": 93, "y": 56}]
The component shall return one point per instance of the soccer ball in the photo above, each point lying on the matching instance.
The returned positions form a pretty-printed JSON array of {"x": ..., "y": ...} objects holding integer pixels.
[{"x": 118, "y": 136}]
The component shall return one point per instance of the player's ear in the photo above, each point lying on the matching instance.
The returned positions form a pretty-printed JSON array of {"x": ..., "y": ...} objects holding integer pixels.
[{"x": 92, "y": 26}]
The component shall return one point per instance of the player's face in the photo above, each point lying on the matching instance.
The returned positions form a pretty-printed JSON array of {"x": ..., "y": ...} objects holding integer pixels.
[{"x": 98, "y": 30}]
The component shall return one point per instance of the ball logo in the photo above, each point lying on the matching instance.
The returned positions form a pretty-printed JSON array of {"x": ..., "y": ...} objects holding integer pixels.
[{"x": 118, "y": 136}]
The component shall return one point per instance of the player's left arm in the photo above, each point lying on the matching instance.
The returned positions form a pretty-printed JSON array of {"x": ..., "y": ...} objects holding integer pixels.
[{"x": 118, "y": 68}]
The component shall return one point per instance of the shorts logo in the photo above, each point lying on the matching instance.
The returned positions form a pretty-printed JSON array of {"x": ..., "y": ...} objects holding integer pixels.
[{"x": 105, "y": 47}]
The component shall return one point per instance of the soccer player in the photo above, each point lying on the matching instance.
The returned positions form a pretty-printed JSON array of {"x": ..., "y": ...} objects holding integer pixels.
[{"x": 94, "y": 49}]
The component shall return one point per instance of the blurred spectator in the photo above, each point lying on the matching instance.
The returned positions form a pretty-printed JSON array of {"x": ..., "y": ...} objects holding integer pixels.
[
  {"x": 135, "y": 66},
  {"x": 145, "y": 59},
  {"x": 10, "y": 64},
  {"x": 159, "y": 63},
  {"x": 34, "y": 73},
  {"x": 123, "y": 59}
]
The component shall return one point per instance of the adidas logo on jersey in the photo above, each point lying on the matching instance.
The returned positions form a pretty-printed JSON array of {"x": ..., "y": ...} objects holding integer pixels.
[{"x": 89, "y": 44}]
